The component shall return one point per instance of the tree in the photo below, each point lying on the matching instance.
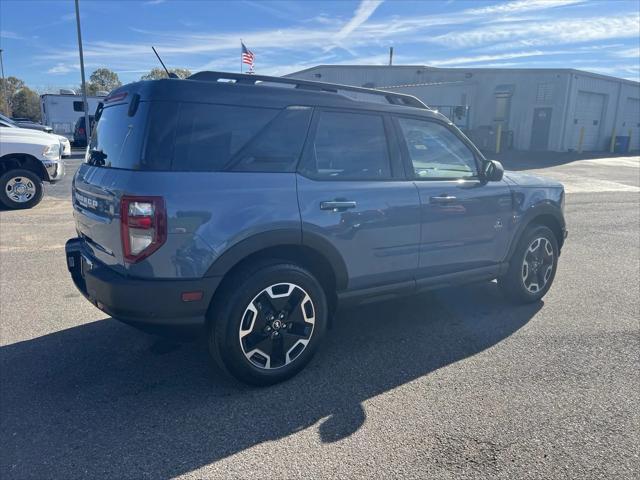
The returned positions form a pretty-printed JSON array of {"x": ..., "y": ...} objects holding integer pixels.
[
  {"x": 8, "y": 89},
  {"x": 26, "y": 104},
  {"x": 102, "y": 80},
  {"x": 158, "y": 73},
  {"x": 4, "y": 106}
]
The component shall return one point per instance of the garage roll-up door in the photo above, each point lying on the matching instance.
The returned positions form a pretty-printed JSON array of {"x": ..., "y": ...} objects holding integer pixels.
[
  {"x": 588, "y": 114},
  {"x": 631, "y": 121}
]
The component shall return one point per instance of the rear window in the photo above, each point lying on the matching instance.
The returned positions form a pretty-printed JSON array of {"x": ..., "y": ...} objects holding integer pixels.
[
  {"x": 199, "y": 137},
  {"x": 117, "y": 138}
]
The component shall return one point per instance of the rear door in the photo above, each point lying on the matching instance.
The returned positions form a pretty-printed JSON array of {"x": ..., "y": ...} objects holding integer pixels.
[
  {"x": 465, "y": 220},
  {"x": 353, "y": 194}
]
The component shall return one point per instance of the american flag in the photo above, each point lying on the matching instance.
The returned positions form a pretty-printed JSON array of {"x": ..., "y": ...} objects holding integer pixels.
[{"x": 247, "y": 56}]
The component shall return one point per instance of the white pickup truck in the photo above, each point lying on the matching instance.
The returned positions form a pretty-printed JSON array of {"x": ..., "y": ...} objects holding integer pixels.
[{"x": 27, "y": 159}]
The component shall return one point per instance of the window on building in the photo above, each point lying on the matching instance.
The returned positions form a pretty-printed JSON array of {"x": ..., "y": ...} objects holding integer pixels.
[{"x": 503, "y": 106}]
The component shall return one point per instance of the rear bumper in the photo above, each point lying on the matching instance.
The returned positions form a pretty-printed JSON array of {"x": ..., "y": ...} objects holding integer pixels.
[{"x": 141, "y": 302}]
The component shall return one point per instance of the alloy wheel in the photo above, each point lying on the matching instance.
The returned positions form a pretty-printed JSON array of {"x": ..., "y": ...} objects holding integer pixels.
[
  {"x": 537, "y": 265},
  {"x": 277, "y": 326}
]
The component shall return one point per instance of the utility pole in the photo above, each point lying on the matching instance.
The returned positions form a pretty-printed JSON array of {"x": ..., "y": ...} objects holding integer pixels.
[
  {"x": 390, "y": 56},
  {"x": 87, "y": 126},
  {"x": 4, "y": 86}
]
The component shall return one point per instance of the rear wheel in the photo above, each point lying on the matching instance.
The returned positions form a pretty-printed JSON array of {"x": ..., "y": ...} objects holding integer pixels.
[
  {"x": 20, "y": 189},
  {"x": 532, "y": 267},
  {"x": 267, "y": 323}
]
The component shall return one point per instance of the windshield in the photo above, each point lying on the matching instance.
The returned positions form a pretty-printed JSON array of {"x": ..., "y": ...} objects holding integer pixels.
[{"x": 7, "y": 122}]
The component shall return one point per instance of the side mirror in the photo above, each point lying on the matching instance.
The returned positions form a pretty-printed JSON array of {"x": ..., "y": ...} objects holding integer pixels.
[{"x": 493, "y": 171}]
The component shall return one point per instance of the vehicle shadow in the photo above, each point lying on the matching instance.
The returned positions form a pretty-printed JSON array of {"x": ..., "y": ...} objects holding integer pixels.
[{"x": 104, "y": 400}]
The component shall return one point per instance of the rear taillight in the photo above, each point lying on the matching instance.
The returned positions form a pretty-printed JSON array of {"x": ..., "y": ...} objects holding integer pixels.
[
  {"x": 143, "y": 226},
  {"x": 81, "y": 131}
]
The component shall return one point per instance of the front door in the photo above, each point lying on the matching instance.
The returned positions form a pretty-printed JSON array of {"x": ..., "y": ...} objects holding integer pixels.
[
  {"x": 540, "y": 128},
  {"x": 352, "y": 193},
  {"x": 465, "y": 220}
]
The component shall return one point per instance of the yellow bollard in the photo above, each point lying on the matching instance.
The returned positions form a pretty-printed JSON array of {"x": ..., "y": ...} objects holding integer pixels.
[
  {"x": 613, "y": 140},
  {"x": 629, "y": 145},
  {"x": 498, "y": 138},
  {"x": 581, "y": 139}
]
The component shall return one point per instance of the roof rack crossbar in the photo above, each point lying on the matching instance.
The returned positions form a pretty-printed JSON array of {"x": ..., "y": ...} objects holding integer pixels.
[{"x": 246, "y": 79}]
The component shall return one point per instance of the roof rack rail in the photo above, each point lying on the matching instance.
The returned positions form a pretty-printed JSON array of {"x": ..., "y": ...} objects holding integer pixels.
[{"x": 251, "y": 79}]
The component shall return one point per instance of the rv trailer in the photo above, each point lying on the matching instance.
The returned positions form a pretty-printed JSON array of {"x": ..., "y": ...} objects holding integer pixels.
[{"x": 61, "y": 111}]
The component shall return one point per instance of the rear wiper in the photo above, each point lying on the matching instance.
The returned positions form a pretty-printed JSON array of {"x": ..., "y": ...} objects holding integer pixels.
[{"x": 97, "y": 158}]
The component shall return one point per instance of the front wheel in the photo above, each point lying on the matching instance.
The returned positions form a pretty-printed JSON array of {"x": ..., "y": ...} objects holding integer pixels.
[
  {"x": 20, "y": 189},
  {"x": 267, "y": 323},
  {"x": 532, "y": 267}
]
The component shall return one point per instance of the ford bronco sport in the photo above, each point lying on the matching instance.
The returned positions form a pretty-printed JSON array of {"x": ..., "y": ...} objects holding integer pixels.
[{"x": 251, "y": 206}]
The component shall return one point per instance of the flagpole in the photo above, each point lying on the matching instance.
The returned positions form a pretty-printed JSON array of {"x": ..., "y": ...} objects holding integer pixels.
[{"x": 240, "y": 55}]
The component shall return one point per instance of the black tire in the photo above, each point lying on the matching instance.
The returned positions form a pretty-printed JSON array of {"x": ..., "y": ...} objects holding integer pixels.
[
  {"x": 28, "y": 178},
  {"x": 515, "y": 286},
  {"x": 231, "y": 311}
]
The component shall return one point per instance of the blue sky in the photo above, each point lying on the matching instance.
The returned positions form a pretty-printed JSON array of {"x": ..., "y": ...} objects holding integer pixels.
[{"x": 39, "y": 42}]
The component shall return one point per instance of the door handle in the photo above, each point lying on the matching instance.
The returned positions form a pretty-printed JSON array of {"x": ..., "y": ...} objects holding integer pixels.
[
  {"x": 443, "y": 199},
  {"x": 337, "y": 205}
]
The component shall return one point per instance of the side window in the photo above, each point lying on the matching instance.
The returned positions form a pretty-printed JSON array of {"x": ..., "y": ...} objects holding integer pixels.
[
  {"x": 208, "y": 136},
  {"x": 435, "y": 151},
  {"x": 277, "y": 148},
  {"x": 349, "y": 146},
  {"x": 78, "y": 107}
]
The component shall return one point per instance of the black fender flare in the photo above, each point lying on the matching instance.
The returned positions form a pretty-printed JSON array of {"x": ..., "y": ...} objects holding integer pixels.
[
  {"x": 280, "y": 238},
  {"x": 538, "y": 210},
  {"x": 27, "y": 162}
]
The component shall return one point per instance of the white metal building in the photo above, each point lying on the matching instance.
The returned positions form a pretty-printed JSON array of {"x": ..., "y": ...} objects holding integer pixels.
[{"x": 539, "y": 109}]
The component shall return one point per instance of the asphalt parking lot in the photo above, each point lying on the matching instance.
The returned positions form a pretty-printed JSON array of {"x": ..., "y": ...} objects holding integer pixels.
[{"x": 450, "y": 384}]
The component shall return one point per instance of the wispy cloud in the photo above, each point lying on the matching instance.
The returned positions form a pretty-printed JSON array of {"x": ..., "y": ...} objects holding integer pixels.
[
  {"x": 520, "y": 6},
  {"x": 548, "y": 32},
  {"x": 455, "y": 61},
  {"x": 62, "y": 68},
  {"x": 67, "y": 17},
  {"x": 362, "y": 14},
  {"x": 629, "y": 53},
  {"x": 493, "y": 34},
  {"x": 10, "y": 35},
  {"x": 154, "y": 2}
]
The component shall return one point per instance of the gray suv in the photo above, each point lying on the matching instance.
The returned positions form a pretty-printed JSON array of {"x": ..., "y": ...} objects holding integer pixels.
[{"x": 250, "y": 207}]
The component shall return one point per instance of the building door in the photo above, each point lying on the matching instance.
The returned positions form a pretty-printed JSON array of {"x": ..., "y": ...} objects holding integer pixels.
[
  {"x": 540, "y": 128},
  {"x": 631, "y": 122},
  {"x": 588, "y": 116}
]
